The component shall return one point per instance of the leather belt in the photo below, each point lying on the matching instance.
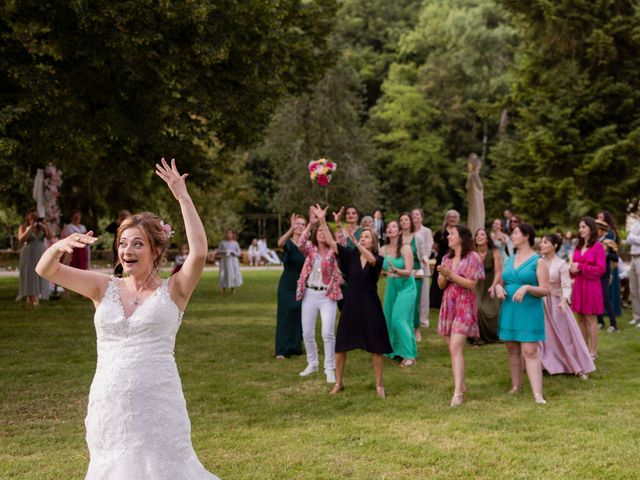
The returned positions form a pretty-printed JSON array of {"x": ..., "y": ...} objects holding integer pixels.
[{"x": 320, "y": 289}]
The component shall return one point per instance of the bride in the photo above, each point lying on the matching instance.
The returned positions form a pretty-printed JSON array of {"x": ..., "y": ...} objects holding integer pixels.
[{"x": 137, "y": 422}]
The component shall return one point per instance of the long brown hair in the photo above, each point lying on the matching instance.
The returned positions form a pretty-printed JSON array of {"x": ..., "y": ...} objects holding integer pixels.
[
  {"x": 466, "y": 241},
  {"x": 593, "y": 237},
  {"x": 314, "y": 233},
  {"x": 399, "y": 244}
]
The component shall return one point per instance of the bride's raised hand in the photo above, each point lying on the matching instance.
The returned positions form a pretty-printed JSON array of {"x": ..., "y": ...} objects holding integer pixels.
[{"x": 175, "y": 181}]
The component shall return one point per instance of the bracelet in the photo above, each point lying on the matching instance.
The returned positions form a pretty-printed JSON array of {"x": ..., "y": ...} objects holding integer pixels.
[{"x": 58, "y": 255}]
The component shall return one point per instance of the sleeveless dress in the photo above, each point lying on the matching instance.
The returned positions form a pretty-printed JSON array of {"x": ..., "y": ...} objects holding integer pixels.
[
  {"x": 416, "y": 266},
  {"x": 524, "y": 321},
  {"x": 30, "y": 283},
  {"x": 362, "y": 323},
  {"x": 137, "y": 422},
  {"x": 488, "y": 308},
  {"x": 289, "y": 323},
  {"x": 399, "y": 305},
  {"x": 564, "y": 350}
]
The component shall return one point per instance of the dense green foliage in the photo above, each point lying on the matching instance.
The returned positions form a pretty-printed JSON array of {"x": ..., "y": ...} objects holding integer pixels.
[
  {"x": 399, "y": 93},
  {"x": 254, "y": 418},
  {"x": 103, "y": 89},
  {"x": 575, "y": 139}
]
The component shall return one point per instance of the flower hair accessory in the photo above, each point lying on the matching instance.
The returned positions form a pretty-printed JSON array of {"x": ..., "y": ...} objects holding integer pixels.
[
  {"x": 167, "y": 229},
  {"x": 321, "y": 170}
]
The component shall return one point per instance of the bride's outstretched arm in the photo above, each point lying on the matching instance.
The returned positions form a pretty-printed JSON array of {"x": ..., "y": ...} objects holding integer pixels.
[{"x": 185, "y": 281}]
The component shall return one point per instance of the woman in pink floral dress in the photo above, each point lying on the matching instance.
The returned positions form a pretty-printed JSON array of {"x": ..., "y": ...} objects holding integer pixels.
[{"x": 459, "y": 272}]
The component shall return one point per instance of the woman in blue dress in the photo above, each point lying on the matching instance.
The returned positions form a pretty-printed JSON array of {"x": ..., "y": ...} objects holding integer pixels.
[{"x": 525, "y": 280}]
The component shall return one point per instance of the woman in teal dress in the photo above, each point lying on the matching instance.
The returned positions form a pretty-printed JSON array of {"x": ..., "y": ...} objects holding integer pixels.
[
  {"x": 289, "y": 325},
  {"x": 521, "y": 326},
  {"x": 400, "y": 296}
]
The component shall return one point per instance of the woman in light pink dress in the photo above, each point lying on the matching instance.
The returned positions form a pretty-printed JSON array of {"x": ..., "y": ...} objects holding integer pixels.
[
  {"x": 564, "y": 349},
  {"x": 587, "y": 268}
]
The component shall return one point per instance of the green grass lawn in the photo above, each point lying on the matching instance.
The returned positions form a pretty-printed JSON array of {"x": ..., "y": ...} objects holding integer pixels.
[{"x": 254, "y": 418}]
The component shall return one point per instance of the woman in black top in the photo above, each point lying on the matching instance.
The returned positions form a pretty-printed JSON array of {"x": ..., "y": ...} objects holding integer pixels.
[{"x": 362, "y": 323}]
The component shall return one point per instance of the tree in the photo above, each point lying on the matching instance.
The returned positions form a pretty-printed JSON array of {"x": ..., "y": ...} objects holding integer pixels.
[
  {"x": 105, "y": 88},
  {"x": 575, "y": 139},
  {"x": 324, "y": 123}
]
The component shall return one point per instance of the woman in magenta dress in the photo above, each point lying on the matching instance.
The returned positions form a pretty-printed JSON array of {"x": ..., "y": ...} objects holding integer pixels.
[
  {"x": 564, "y": 349},
  {"x": 459, "y": 272},
  {"x": 587, "y": 267}
]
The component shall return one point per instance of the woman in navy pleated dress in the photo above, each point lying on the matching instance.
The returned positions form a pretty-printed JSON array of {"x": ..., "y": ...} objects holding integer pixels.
[{"x": 362, "y": 323}]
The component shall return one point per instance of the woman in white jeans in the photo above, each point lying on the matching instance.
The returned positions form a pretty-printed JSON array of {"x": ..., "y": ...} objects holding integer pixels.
[{"x": 319, "y": 290}]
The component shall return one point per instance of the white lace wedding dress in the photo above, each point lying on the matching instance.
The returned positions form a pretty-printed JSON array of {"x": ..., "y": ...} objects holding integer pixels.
[{"x": 137, "y": 422}]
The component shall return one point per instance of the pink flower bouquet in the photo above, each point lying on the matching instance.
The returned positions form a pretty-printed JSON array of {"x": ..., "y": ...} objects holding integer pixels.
[{"x": 321, "y": 170}]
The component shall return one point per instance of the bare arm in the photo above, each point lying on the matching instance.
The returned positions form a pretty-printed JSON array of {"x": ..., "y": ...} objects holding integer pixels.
[
  {"x": 497, "y": 268},
  {"x": 407, "y": 256},
  {"x": 85, "y": 282},
  {"x": 448, "y": 275},
  {"x": 289, "y": 233},
  {"x": 23, "y": 233},
  {"x": 184, "y": 282}
]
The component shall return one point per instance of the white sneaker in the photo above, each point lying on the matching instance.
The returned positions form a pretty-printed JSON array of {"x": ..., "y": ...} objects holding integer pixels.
[
  {"x": 635, "y": 321},
  {"x": 331, "y": 376},
  {"x": 309, "y": 370},
  {"x": 638, "y": 325},
  {"x": 612, "y": 329}
]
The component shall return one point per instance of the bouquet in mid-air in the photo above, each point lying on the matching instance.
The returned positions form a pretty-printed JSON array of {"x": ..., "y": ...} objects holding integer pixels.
[{"x": 321, "y": 170}]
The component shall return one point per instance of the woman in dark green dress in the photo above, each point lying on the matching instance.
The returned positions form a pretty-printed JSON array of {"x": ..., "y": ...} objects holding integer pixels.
[
  {"x": 488, "y": 304},
  {"x": 289, "y": 325}
]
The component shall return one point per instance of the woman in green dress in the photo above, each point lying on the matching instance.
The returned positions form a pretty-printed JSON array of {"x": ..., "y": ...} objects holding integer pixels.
[
  {"x": 289, "y": 326},
  {"x": 521, "y": 326},
  {"x": 400, "y": 296},
  {"x": 488, "y": 304},
  {"x": 409, "y": 238}
]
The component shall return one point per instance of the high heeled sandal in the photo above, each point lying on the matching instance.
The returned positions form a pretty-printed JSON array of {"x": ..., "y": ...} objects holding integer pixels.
[
  {"x": 514, "y": 390},
  {"x": 457, "y": 399},
  {"x": 337, "y": 388},
  {"x": 539, "y": 399},
  {"x": 407, "y": 362},
  {"x": 381, "y": 392}
]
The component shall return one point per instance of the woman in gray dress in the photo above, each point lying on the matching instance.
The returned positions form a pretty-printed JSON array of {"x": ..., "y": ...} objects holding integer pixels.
[
  {"x": 229, "y": 254},
  {"x": 32, "y": 234}
]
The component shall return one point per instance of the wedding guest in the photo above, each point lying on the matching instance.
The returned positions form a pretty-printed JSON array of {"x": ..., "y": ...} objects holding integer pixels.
[
  {"x": 254, "y": 253},
  {"x": 399, "y": 296},
  {"x": 81, "y": 257},
  {"x": 362, "y": 323},
  {"x": 521, "y": 325},
  {"x": 229, "y": 253},
  {"x": 32, "y": 234},
  {"x": 319, "y": 289},
  {"x": 568, "y": 246},
  {"x": 564, "y": 349},
  {"x": 367, "y": 222},
  {"x": 378, "y": 225},
  {"x": 458, "y": 275},
  {"x": 137, "y": 422},
  {"x": 266, "y": 254},
  {"x": 633, "y": 239},
  {"x": 417, "y": 249},
  {"x": 441, "y": 247},
  {"x": 344, "y": 234},
  {"x": 501, "y": 241},
  {"x": 610, "y": 248},
  {"x": 488, "y": 303},
  {"x": 425, "y": 237},
  {"x": 181, "y": 257},
  {"x": 506, "y": 221},
  {"x": 587, "y": 268},
  {"x": 289, "y": 323},
  {"x": 112, "y": 228},
  {"x": 615, "y": 295}
]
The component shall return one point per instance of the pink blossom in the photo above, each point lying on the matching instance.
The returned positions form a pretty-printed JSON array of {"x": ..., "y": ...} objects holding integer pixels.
[{"x": 323, "y": 180}]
